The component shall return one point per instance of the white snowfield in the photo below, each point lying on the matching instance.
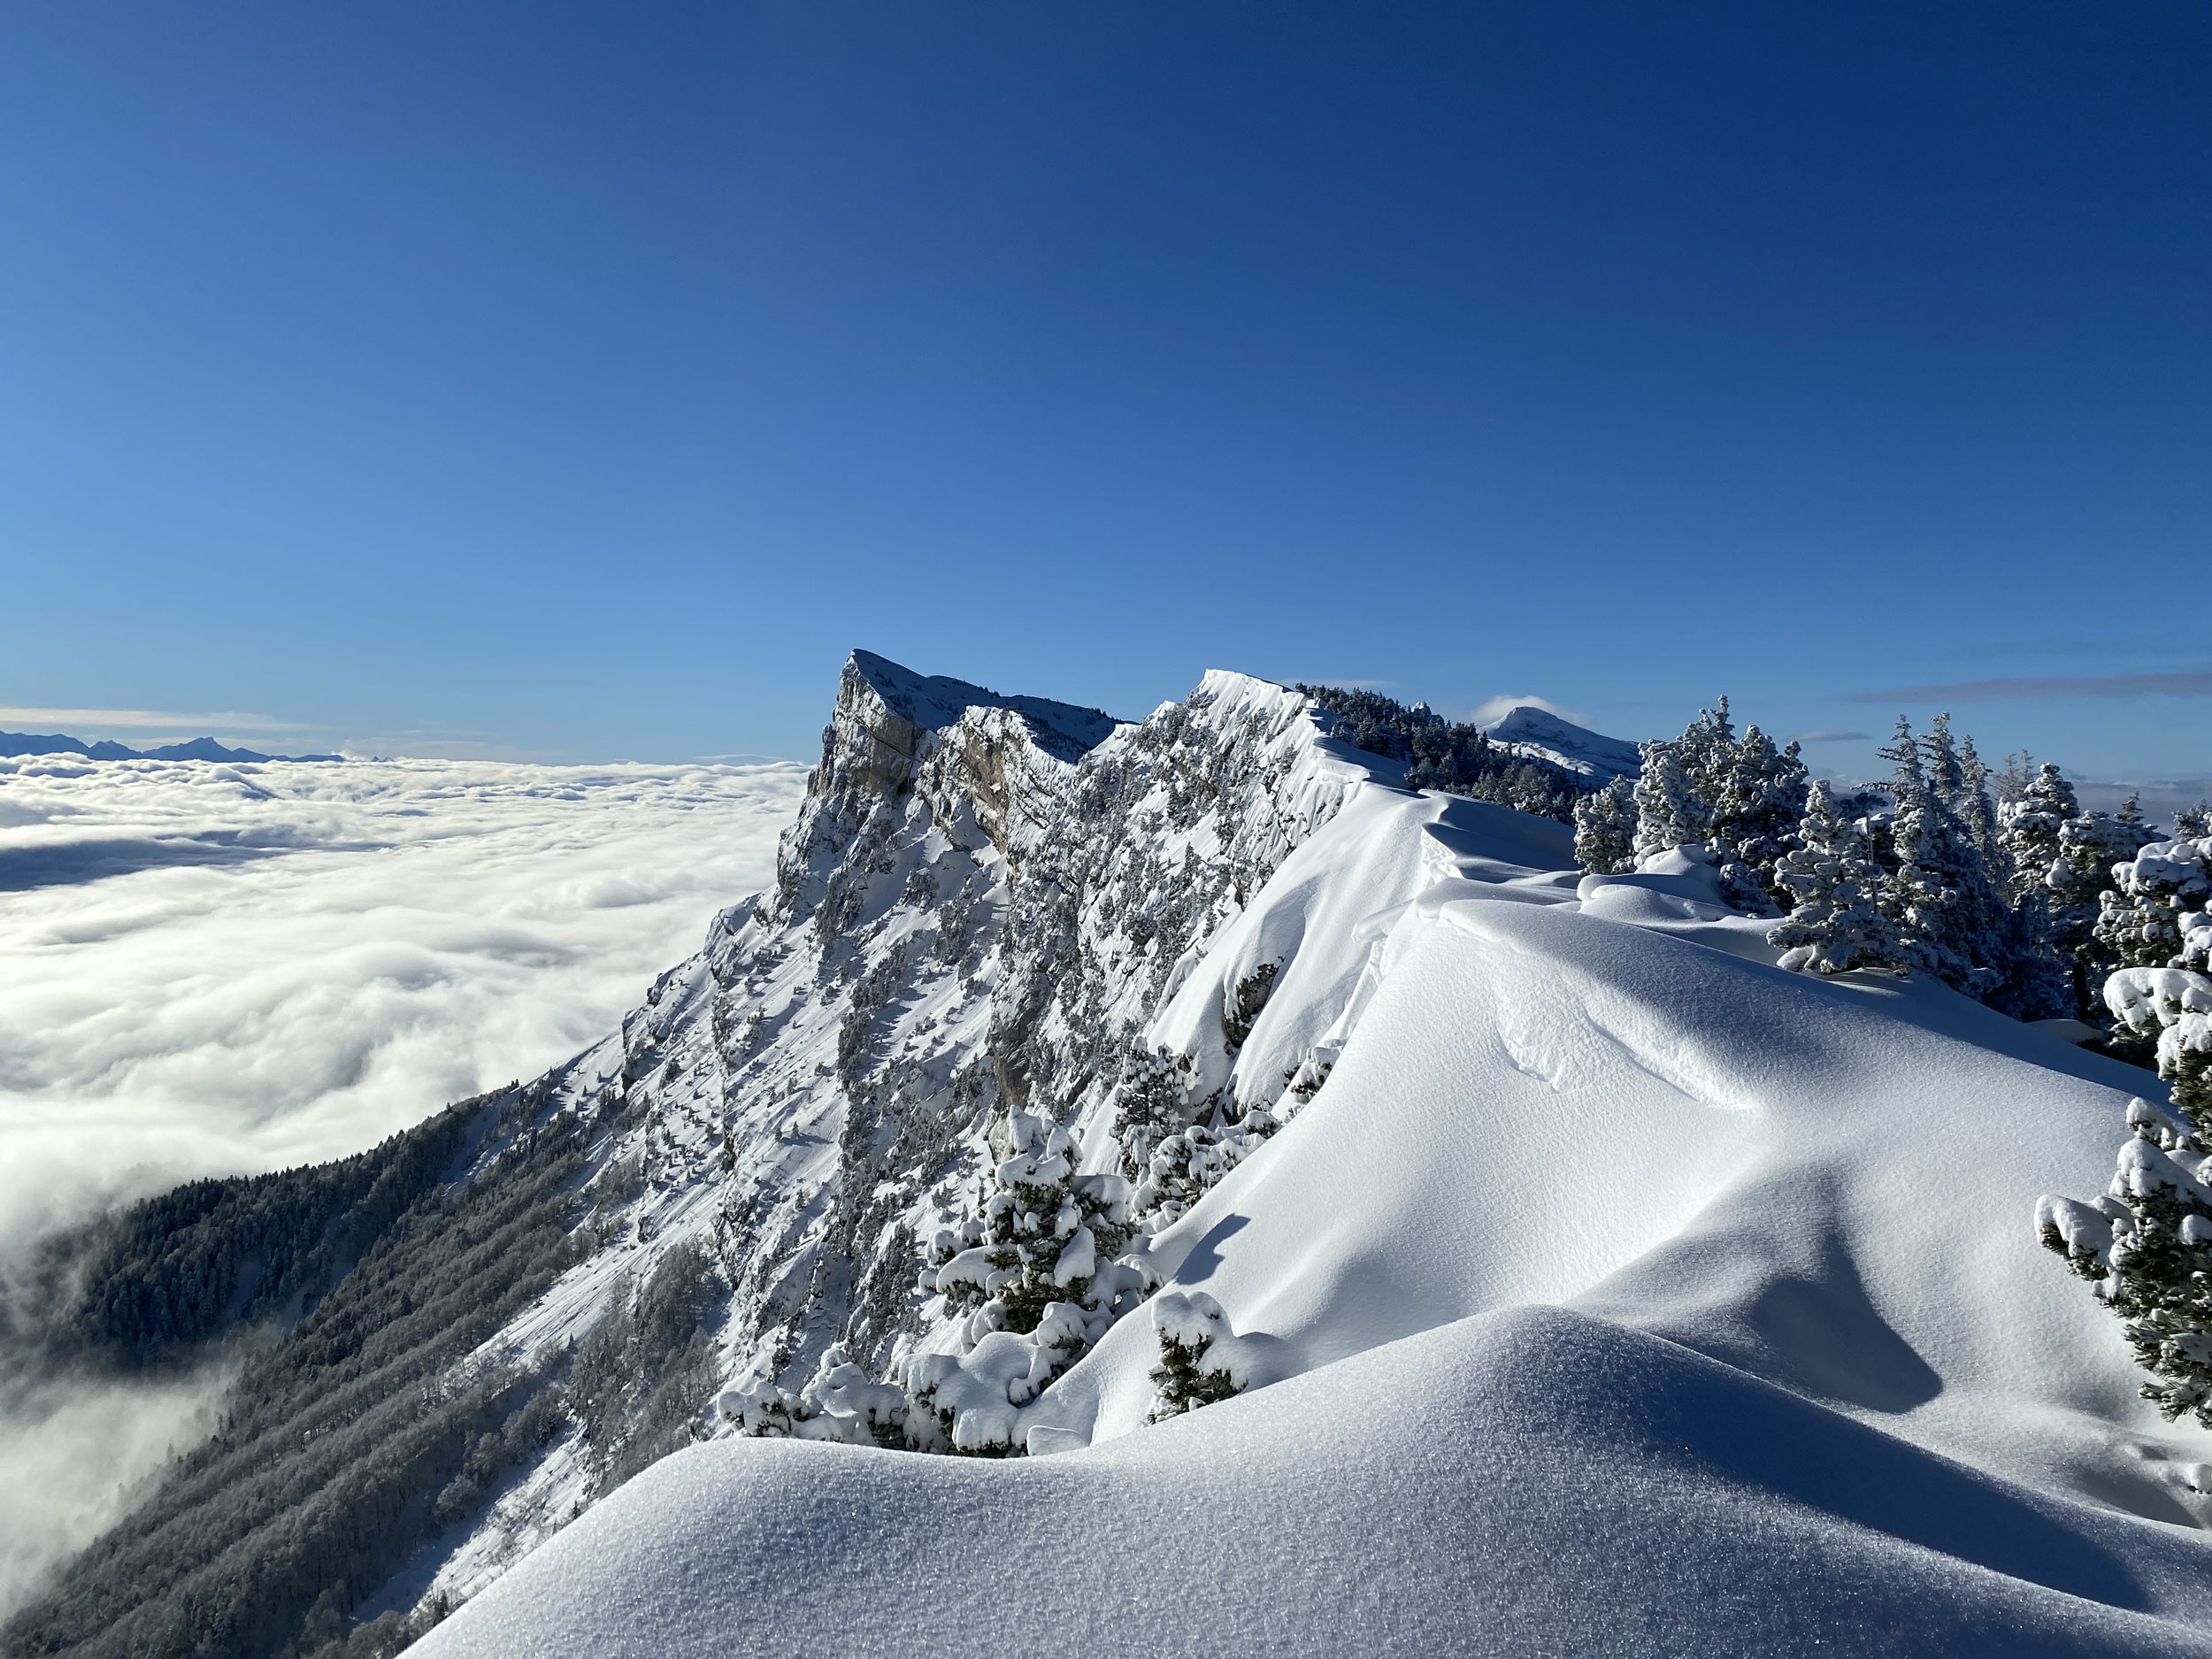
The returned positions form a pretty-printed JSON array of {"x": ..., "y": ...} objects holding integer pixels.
[{"x": 1616, "y": 1293}]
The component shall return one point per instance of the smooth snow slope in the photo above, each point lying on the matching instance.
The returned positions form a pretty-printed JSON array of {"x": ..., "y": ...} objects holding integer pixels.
[
  {"x": 1530, "y": 1481},
  {"x": 1547, "y": 1093}
]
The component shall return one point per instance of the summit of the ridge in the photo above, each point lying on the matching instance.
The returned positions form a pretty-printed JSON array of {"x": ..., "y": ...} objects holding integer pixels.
[{"x": 933, "y": 701}]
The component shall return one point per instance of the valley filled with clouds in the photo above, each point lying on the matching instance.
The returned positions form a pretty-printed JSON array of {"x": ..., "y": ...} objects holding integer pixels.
[{"x": 211, "y": 969}]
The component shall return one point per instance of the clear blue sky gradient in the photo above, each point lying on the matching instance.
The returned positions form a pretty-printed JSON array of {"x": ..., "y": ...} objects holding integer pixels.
[{"x": 585, "y": 380}]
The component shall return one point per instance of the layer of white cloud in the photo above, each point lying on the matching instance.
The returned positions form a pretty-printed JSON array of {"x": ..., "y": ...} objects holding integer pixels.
[{"x": 211, "y": 969}]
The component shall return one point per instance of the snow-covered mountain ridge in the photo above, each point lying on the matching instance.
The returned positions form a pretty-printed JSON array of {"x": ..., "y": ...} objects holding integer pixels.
[{"x": 1590, "y": 1284}]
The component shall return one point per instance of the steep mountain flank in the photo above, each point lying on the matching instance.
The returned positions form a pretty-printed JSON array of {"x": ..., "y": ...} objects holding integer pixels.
[{"x": 982, "y": 902}]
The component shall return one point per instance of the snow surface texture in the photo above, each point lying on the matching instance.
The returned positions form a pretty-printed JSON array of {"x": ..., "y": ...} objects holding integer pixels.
[
  {"x": 1529, "y": 730},
  {"x": 1530, "y": 1482},
  {"x": 1606, "y": 1288}
]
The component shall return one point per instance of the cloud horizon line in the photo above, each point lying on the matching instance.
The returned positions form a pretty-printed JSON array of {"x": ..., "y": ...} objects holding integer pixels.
[
  {"x": 2046, "y": 686},
  {"x": 151, "y": 720}
]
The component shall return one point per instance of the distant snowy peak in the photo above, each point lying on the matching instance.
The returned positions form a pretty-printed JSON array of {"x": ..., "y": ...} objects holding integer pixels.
[
  {"x": 930, "y": 703},
  {"x": 1539, "y": 731}
]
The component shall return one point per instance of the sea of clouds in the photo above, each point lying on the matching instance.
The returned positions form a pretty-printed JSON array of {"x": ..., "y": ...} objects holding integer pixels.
[{"x": 215, "y": 969}]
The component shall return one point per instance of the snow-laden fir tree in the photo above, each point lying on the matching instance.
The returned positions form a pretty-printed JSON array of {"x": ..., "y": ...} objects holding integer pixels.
[
  {"x": 2146, "y": 1247},
  {"x": 1605, "y": 829},
  {"x": 2062, "y": 857},
  {"x": 1040, "y": 1237},
  {"x": 1948, "y": 918},
  {"x": 1759, "y": 796},
  {"x": 1738, "y": 798},
  {"x": 1834, "y": 925},
  {"x": 1708, "y": 751},
  {"x": 2030, "y": 825},
  {"x": 1975, "y": 804},
  {"x": 2158, "y": 919},
  {"x": 2031, "y": 979},
  {"x": 1669, "y": 811},
  {"x": 1200, "y": 1362},
  {"x": 1191, "y": 1161},
  {"x": 2152, "y": 889},
  {"x": 2148, "y": 1243},
  {"x": 1152, "y": 1103}
]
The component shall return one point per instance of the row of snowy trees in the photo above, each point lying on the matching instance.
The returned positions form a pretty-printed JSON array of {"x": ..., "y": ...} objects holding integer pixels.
[
  {"x": 2007, "y": 893},
  {"x": 1455, "y": 756},
  {"x": 2008, "y": 890}
]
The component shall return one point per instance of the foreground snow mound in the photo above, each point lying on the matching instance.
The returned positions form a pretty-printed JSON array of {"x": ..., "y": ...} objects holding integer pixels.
[{"x": 1527, "y": 1482}]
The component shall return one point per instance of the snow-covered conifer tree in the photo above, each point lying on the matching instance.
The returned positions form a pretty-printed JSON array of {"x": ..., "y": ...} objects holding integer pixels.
[
  {"x": 1834, "y": 925},
  {"x": 1669, "y": 812},
  {"x": 1040, "y": 1236},
  {"x": 2076, "y": 882},
  {"x": 2030, "y": 825},
  {"x": 1948, "y": 916},
  {"x": 1707, "y": 750},
  {"x": 1761, "y": 796},
  {"x": 1605, "y": 829},
  {"x": 2150, "y": 893},
  {"x": 1200, "y": 1362},
  {"x": 2146, "y": 1246},
  {"x": 1151, "y": 1103}
]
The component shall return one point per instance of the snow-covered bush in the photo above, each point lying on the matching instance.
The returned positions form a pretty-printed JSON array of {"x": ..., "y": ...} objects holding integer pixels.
[
  {"x": 2146, "y": 1246},
  {"x": 1201, "y": 1361},
  {"x": 840, "y": 1402},
  {"x": 971, "y": 1403}
]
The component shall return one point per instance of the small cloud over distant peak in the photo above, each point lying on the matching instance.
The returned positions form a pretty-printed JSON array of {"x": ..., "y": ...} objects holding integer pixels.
[
  {"x": 1492, "y": 709},
  {"x": 1834, "y": 737},
  {"x": 146, "y": 720}
]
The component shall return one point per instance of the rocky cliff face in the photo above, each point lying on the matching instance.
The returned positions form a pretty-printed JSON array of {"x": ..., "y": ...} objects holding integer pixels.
[{"x": 984, "y": 901}]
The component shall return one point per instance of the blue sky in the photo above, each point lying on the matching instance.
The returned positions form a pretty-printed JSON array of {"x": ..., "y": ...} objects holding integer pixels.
[{"x": 584, "y": 381}]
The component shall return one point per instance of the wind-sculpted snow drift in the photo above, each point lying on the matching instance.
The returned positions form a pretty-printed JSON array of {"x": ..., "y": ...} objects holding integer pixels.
[{"x": 1586, "y": 1284}]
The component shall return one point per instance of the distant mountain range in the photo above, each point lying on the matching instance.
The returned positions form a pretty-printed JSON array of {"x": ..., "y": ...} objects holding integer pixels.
[{"x": 198, "y": 749}]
